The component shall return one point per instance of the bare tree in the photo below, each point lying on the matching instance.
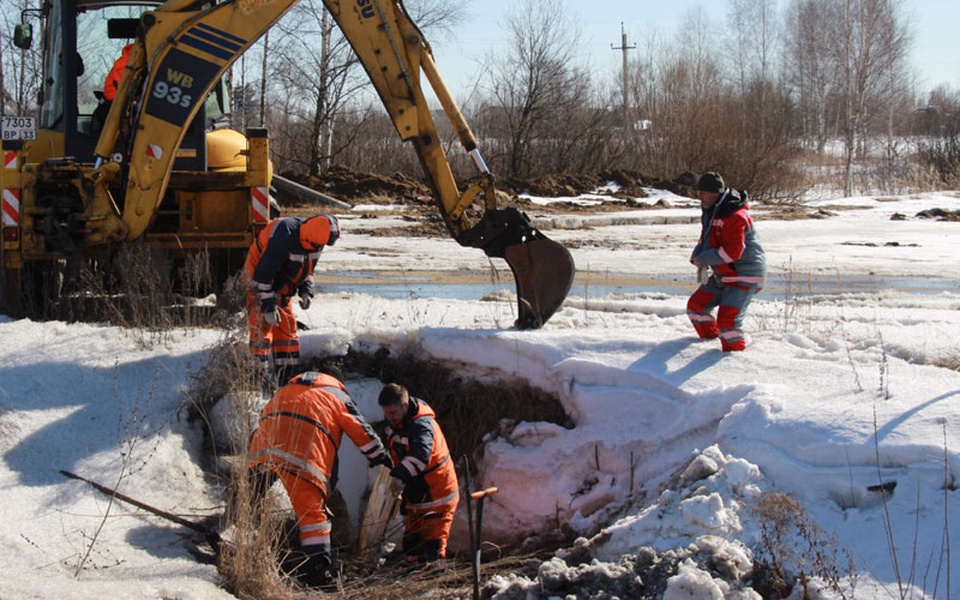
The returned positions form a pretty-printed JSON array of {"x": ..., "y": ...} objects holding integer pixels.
[
  {"x": 19, "y": 69},
  {"x": 315, "y": 71},
  {"x": 873, "y": 43},
  {"x": 686, "y": 132},
  {"x": 752, "y": 33},
  {"x": 534, "y": 82},
  {"x": 808, "y": 65},
  {"x": 310, "y": 69}
]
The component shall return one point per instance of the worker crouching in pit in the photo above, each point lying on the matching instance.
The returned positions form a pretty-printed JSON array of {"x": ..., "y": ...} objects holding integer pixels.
[{"x": 424, "y": 472}]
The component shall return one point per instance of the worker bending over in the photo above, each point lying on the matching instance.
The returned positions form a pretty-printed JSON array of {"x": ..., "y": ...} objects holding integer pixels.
[
  {"x": 297, "y": 441},
  {"x": 279, "y": 266}
]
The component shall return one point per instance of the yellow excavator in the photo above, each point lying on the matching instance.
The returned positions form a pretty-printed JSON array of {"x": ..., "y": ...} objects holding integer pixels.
[{"x": 160, "y": 166}]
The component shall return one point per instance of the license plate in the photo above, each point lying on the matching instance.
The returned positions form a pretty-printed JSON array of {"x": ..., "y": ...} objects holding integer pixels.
[{"x": 18, "y": 128}]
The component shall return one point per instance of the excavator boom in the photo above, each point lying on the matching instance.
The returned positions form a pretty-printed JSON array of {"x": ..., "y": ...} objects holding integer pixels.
[{"x": 395, "y": 54}]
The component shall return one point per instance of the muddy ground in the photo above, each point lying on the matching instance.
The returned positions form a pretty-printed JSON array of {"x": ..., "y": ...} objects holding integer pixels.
[
  {"x": 351, "y": 186},
  {"x": 415, "y": 197}
]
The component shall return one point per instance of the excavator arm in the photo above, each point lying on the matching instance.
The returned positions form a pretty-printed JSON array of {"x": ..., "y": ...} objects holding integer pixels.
[
  {"x": 185, "y": 46},
  {"x": 181, "y": 51},
  {"x": 395, "y": 54}
]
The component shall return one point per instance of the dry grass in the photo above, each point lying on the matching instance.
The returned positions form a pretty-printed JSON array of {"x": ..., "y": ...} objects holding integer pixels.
[
  {"x": 793, "y": 549},
  {"x": 951, "y": 361},
  {"x": 253, "y": 524},
  {"x": 140, "y": 288},
  {"x": 249, "y": 563},
  {"x": 453, "y": 582}
]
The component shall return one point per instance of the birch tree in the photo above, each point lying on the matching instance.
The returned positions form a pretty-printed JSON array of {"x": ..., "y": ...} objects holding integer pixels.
[{"x": 873, "y": 40}]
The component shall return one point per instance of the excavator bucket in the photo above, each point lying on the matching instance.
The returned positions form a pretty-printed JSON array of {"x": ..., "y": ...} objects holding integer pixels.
[{"x": 542, "y": 269}]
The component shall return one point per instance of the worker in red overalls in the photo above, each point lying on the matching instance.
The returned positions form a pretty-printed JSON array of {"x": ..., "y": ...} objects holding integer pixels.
[
  {"x": 732, "y": 261},
  {"x": 297, "y": 441},
  {"x": 424, "y": 472},
  {"x": 279, "y": 266}
]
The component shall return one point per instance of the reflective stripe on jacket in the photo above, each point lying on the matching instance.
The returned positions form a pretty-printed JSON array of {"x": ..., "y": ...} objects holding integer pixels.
[
  {"x": 729, "y": 243},
  {"x": 419, "y": 450},
  {"x": 302, "y": 426}
]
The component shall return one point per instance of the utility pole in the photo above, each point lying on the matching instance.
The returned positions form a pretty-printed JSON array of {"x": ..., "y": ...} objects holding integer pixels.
[{"x": 627, "y": 122}]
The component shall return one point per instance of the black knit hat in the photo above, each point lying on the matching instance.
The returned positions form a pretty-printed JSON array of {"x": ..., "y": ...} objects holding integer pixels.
[{"x": 711, "y": 182}]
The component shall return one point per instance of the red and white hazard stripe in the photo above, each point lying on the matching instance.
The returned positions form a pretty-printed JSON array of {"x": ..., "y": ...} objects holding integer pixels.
[
  {"x": 11, "y": 196},
  {"x": 11, "y": 207},
  {"x": 260, "y": 199}
]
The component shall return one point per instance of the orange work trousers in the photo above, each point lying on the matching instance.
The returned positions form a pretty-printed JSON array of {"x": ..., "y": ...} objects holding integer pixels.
[{"x": 277, "y": 344}]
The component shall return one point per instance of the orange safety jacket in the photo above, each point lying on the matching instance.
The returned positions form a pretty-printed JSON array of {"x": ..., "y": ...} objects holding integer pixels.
[
  {"x": 419, "y": 450},
  {"x": 301, "y": 428}
]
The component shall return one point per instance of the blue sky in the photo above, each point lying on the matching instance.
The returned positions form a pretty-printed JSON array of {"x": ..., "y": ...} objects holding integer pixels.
[{"x": 935, "y": 53}]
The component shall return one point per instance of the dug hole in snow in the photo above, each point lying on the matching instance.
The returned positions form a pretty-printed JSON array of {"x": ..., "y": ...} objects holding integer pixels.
[{"x": 585, "y": 487}]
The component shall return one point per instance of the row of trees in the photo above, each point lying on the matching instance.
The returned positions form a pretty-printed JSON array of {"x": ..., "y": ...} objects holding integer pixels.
[{"x": 777, "y": 82}]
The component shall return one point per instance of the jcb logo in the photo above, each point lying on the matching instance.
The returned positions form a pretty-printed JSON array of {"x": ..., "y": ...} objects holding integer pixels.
[{"x": 366, "y": 8}]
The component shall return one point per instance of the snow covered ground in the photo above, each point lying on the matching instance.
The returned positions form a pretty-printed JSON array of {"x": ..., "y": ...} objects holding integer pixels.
[{"x": 847, "y": 403}]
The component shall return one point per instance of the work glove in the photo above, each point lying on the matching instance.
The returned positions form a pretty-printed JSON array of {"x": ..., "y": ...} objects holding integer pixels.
[
  {"x": 703, "y": 274},
  {"x": 383, "y": 459},
  {"x": 268, "y": 308},
  {"x": 305, "y": 300},
  {"x": 272, "y": 316},
  {"x": 396, "y": 487}
]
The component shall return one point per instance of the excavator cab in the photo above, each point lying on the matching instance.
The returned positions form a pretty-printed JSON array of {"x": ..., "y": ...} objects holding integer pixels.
[
  {"x": 72, "y": 103},
  {"x": 67, "y": 213}
]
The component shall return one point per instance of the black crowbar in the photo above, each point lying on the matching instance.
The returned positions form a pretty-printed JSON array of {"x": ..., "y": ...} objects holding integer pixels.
[{"x": 213, "y": 538}]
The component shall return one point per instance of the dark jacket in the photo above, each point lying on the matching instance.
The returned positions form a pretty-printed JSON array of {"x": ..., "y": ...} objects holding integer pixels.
[
  {"x": 419, "y": 450},
  {"x": 281, "y": 260}
]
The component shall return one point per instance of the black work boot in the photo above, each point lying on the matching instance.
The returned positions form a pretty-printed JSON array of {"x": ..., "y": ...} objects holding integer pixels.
[
  {"x": 318, "y": 578},
  {"x": 316, "y": 573}
]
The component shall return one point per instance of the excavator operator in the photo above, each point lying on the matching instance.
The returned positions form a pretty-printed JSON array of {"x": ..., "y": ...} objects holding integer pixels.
[
  {"x": 279, "y": 266},
  {"x": 109, "y": 92},
  {"x": 116, "y": 73}
]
